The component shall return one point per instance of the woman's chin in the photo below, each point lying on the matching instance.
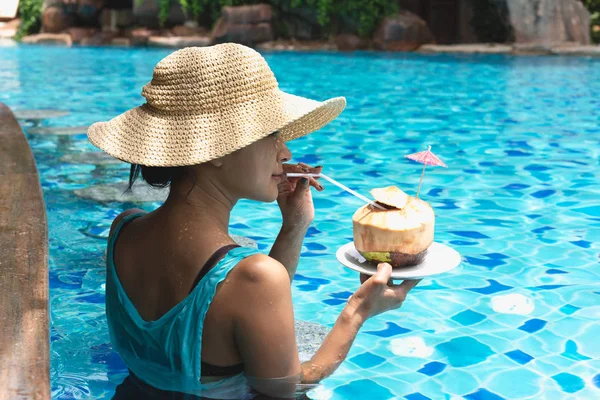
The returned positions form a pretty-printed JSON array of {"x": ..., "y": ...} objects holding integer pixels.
[
  {"x": 274, "y": 196},
  {"x": 268, "y": 196}
]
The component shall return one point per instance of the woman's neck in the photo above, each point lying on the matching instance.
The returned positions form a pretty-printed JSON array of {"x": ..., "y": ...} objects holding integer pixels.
[{"x": 201, "y": 202}]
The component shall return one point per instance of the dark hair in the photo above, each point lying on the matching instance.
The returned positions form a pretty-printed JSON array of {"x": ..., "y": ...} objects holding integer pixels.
[{"x": 158, "y": 177}]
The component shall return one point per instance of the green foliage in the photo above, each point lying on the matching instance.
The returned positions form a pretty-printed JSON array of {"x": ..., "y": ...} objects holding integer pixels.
[
  {"x": 30, "y": 12},
  {"x": 365, "y": 13},
  {"x": 490, "y": 21},
  {"x": 594, "y": 7},
  {"x": 195, "y": 8}
]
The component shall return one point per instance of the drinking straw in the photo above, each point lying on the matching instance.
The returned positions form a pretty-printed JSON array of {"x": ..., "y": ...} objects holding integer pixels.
[{"x": 346, "y": 188}]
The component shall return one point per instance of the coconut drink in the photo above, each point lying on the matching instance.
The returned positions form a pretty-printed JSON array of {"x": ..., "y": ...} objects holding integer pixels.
[{"x": 398, "y": 234}]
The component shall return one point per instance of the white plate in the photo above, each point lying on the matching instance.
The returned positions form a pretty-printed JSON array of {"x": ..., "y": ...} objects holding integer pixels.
[{"x": 439, "y": 259}]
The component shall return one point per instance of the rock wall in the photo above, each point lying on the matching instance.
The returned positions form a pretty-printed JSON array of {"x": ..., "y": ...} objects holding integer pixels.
[
  {"x": 549, "y": 21},
  {"x": 248, "y": 25},
  {"x": 404, "y": 31}
]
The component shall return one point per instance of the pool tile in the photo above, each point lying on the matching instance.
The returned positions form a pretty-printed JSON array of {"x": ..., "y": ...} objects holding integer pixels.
[
  {"x": 571, "y": 352},
  {"x": 391, "y": 330},
  {"x": 416, "y": 396},
  {"x": 582, "y": 243},
  {"x": 457, "y": 382},
  {"x": 341, "y": 295},
  {"x": 541, "y": 194},
  {"x": 367, "y": 360},
  {"x": 543, "y": 229},
  {"x": 516, "y": 383},
  {"x": 463, "y": 243},
  {"x": 351, "y": 389},
  {"x": 493, "y": 287},
  {"x": 307, "y": 288},
  {"x": 546, "y": 287},
  {"x": 483, "y": 394},
  {"x": 593, "y": 211},
  {"x": 432, "y": 368},
  {"x": 596, "y": 381},
  {"x": 533, "y": 325},
  {"x": 315, "y": 246},
  {"x": 468, "y": 317},
  {"x": 464, "y": 351},
  {"x": 569, "y": 382},
  {"x": 333, "y": 302},
  {"x": 516, "y": 186},
  {"x": 555, "y": 271},
  {"x": 488, "y": 263},
  {"x": 470, "y": 234},
  {"x": 519, "y": 356}
]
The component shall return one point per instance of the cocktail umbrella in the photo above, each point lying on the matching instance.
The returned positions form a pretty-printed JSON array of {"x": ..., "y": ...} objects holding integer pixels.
[{"x": 426, "y": 158}]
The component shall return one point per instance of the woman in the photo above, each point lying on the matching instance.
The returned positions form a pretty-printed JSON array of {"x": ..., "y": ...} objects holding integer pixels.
[{"x": 189, "y": 311}]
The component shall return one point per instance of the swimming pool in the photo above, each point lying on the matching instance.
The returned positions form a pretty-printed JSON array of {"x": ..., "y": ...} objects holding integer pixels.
[{"x": 519, "y": 319}]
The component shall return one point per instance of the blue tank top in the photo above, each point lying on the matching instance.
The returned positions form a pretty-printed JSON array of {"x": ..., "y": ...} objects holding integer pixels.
[{"x": 165, "y": 353}]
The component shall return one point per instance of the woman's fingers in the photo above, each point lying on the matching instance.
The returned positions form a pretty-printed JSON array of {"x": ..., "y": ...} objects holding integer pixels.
[
  {"x": 401, "y": 290},
  {"x": 287, "y": 168},
  {"x": 312, "y": 170},
  {"x": 409, "y": 284},
  {"x": 306, "y": 169},
  {"x": 316, "y": 185}
]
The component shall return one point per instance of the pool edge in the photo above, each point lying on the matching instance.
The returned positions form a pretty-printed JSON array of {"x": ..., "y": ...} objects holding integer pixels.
[{"x": 24, "y": 332}]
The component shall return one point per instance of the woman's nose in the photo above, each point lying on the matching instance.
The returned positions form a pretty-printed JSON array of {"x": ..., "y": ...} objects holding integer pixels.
[{"x": 285, "y": 154}]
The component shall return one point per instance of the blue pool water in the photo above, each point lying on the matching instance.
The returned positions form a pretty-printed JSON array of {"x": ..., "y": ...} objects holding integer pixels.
[{"x": 519, "y": 319}]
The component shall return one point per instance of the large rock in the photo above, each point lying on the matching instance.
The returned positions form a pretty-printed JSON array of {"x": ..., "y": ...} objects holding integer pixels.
[
  {"x": 477, "y": 48},
  {"x": 242, "y": 33},
  {"x": 577, "y": 50},
  {"x": 178, "y": 42},
  {"x": 403, "y": 32},
  {"x": 293, "y": 44},
  {"x": 244, "y": 24},
  {"x": 549, "y": 21},
  {"x": 79, "y": 34},
  {"x": 111, "y": 19},
  {"x": 349, "y": 42},
  {"x": 55, "y": 19},
  {"x": 251, "y": 14},
  {"x": 145, "y": 13},
  {"x": 140, "y": 36},
  {"x": 49, "y": 38},
  {"x": 297, "y": 23},
  {"x": 88, "y": 11},
  {"x": 189, "y": 30},
  {"x": 99, "y": 39}
]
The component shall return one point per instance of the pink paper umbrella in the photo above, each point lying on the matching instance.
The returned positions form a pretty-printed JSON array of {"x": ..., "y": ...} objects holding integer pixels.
[{"x": 426, "y": 158}]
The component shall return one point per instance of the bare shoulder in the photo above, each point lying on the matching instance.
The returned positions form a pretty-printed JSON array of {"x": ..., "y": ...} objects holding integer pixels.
[
  {"x": 260, "y": 270},
  {"x": 124, "y": 214}
]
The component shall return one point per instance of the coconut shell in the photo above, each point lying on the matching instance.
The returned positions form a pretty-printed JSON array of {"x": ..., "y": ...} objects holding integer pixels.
[{"x": 397, "y": 236}]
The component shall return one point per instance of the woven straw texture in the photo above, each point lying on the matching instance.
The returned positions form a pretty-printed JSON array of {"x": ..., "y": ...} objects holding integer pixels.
[{"x": 206, "y": 102}]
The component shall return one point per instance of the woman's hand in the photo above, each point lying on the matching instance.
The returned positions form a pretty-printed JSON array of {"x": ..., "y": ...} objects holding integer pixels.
[
  {"x": 295, "y": 199},
  {"x": 378, "y": 294}
]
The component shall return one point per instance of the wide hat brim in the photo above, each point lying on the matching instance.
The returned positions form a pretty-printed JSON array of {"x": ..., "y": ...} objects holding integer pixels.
[{"x": 149, "y": 136}]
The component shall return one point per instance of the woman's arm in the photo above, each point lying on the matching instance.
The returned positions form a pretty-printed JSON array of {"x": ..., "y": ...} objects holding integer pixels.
[
  {"x": 287, "y": 248},
  {"x": 264, "y": 331}
]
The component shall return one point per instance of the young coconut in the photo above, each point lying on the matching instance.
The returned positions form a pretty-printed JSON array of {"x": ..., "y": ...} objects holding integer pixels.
[{"x": 399, "y": 235}]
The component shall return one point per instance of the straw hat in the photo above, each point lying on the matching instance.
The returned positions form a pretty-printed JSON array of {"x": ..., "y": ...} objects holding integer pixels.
[{"x": 206, "y": 102}]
